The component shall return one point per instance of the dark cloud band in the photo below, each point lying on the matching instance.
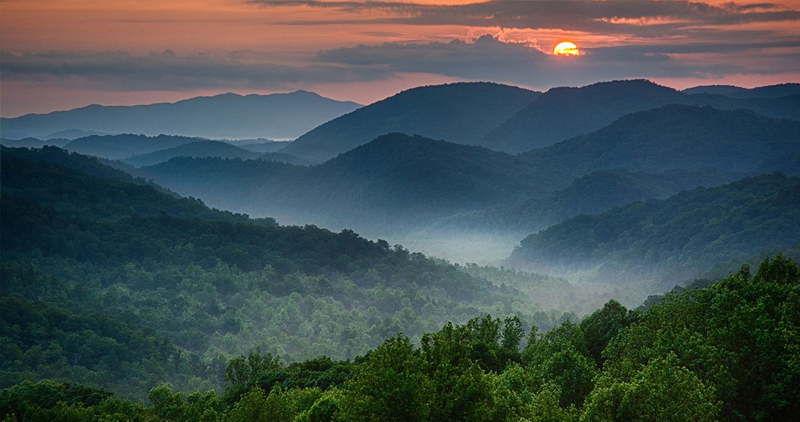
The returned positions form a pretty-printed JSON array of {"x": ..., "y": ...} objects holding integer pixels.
[{"x": 639, "y": 17}]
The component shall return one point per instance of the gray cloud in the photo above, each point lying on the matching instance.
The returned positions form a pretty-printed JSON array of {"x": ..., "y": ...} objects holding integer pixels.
[
  {"x": 486, "y": 58},
  {"x": 639, "y": 17},
  {"x": 123, "y": 71}
]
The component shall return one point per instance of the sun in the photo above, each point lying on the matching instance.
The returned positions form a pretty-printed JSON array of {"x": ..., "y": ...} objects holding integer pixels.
[{"x": 566, "y": 48}]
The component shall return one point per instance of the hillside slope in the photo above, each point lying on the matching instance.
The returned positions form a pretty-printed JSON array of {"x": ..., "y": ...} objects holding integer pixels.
[
  {"x": 118, "y": 147},
  {"x": 674, "y": 137},
  {"x": 193, "y": 149},
  {"x": 673, "y": 238},
  {"x": 593, "y": 193}
]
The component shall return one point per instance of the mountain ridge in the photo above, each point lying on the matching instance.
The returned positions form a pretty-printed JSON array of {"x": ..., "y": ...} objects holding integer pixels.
[
  {"x": 276, "y": 116},
  {"x": 458, "y": 112}
]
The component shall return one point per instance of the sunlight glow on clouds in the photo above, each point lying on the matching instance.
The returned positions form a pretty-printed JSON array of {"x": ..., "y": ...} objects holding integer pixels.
[{"x": 367, "y": 46}]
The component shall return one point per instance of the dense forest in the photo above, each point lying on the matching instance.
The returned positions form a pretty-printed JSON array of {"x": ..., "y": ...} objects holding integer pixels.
[
  {"x": 727, "y": 352},
  {"x": 178, "y": 288}
]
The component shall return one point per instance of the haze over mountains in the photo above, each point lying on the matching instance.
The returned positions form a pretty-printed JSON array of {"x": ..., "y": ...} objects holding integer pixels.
[
  {"x": 225, "y": 116},
  {"x": 402, "y": 181},
  {"x": 652, "y": 142},
  {"x": 116, "y": 274},
  {"x": 592, "y": 193}
]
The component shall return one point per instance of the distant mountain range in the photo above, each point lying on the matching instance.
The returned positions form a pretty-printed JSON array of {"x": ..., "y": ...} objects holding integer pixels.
[
  {"x": 194, "y": 149},
  {"x": 405, "y": 183},
  {"x": 562, "y": 113},
  {"x": 772, "y": 91},
  {"x": 513, "y": 120},
  {"x": 226, "y": 116},
  {"x": 461, "y": 113},
  {"x": 398, "y": 184},
  {"x": 217, "y": 149}
]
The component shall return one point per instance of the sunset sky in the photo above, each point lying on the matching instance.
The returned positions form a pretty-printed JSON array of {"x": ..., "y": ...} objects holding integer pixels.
[{"x": 60, "y": 54}]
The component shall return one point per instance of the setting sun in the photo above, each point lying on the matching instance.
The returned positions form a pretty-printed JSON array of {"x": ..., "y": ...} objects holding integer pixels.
[{"x": 566, "y": 49}]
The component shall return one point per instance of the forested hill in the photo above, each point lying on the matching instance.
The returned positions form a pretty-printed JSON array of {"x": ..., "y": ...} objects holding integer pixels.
[
  {"x": 674, "y": 137},
  {"x": 118, "y": 147},
  {"x": 674, "y": 238},
  {"x": 187, "y": 288},
  {"x": 460, "y": 112},
  {"x": 194, "y": 149},
  {"x": 413, "y": 172},
  {"x": 81, "y": 185}
]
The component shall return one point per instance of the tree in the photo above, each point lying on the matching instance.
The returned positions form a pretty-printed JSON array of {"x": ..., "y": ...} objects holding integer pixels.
[
  {"x": 601, "y": 326},
  {"x": 388, "y": 386},
  {"x": 662, "y": 391}
]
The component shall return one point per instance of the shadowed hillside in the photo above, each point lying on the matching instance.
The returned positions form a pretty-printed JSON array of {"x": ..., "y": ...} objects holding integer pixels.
[{"x": 673, "y": 137}]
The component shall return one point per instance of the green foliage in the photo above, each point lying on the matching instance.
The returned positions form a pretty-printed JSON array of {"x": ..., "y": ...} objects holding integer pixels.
[
  {"x": 661, "y": 391},
  {"x": 600, "y": 327},
  {"x": 126, "y": 297},
  {"x": 726, "y": 352},
  {"x": 244, "y": 370},
  {"x": 561, "y": 357},
  {"x": 738, "y": 336},
  {"x": 42, "y": 340},
  {"x": 163, "y": 289},
  {"x": 390, "y": 385},
  {"x": 78, "y": 184}
]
